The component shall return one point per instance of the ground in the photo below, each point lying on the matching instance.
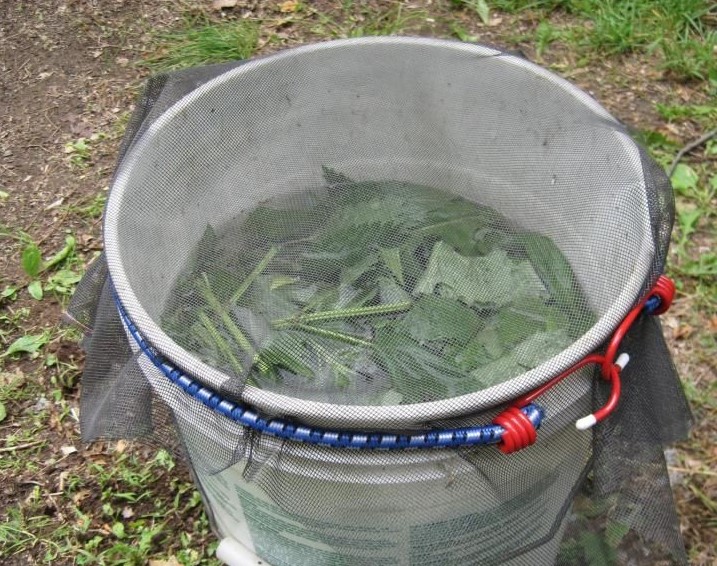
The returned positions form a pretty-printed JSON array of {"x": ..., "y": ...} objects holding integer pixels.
[{"x": 70, "y": 73}]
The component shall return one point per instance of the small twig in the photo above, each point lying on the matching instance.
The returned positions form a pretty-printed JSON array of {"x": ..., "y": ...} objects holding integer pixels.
[
  {"x": 340, "y": 314},
  {"x": 689, "y": 147},
  {"x": 228, "y": 323},
  {"x": 21, "y": 446},
  {"x": 340, "y": 336},
  {"x": 692, "y": 472},
  {"x": 261, "y": 266},
  {"x": 222, "y": 345}
]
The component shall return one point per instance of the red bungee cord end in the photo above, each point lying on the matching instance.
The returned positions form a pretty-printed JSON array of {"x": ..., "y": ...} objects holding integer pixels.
[
  {"x": 665, "y": 290},
  {"x": 519, "y": 431}
]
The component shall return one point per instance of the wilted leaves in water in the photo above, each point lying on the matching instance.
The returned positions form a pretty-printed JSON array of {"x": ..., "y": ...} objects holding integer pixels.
[{"x": 375, "y": 293}]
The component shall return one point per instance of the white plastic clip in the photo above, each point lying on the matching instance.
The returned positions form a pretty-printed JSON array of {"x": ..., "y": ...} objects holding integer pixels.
[
  {"x": 622, "y": 360},
  {"x": 586, "y": 422}
]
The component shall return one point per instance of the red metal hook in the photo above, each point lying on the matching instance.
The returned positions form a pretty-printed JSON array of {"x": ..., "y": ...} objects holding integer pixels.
[{"x": 611, "y": 363}]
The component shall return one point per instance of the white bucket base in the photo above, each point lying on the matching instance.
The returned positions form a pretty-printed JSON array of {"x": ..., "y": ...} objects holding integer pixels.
[{"x": 234, "y": 553}]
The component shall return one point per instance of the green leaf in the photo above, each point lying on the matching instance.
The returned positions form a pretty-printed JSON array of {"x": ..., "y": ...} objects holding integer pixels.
[
  {"x": 3, "y": 412},
  {"x": 557, "y": 275},
  {"x": 357, "y": 270},
  {"x": 207, "y": 250},
  {"x": 285, "y": 350},
  {"x": 495, "y": 372},
  {"x": 525, "y": 317},
  {"x": 118, "y": 530},
  {"x": 280, "y": 281},
  {"x": 596, "y": 551},
  {"x": 62, "y": 255},
  {"x": 35, "y": 290},
  {"x": 460, "y": 224},
  {"x": 31, "y": 260},
  {"x": 333, "y": 177},
  {"x": 481, "y": 8},
  {"x": 391, "y": 292},
  {"x": 279, "y": 225},
  {"x": 29, "y": 344},
  {"x": 440, "y": 318},
  {"x": 539, "y": 347},
  {"x": 483, "y": 349},
  {"x": 615, "y": 532},
  {"x": 63, "y": 282},
  {"x": 416, "y": 372},
  {"x": 8, "y": 292},
  {"x": 493, "y": 279},
  {"x": 684, "y": 178},
  {"x": 391, "y": 257}
]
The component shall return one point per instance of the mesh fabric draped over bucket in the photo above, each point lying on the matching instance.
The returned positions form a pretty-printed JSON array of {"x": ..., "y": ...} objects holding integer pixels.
[{"x": 413, "y": 117}]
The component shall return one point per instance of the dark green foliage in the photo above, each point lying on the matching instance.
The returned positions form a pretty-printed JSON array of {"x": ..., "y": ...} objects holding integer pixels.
[{"x": 375, "y": 292}]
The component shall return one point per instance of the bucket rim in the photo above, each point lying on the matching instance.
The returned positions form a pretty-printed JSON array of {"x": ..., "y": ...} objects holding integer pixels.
[{"x": 352, "y": 416}]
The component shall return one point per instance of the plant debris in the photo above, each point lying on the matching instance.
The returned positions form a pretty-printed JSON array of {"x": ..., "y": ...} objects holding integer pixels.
[{"x": 382, "y": 292}]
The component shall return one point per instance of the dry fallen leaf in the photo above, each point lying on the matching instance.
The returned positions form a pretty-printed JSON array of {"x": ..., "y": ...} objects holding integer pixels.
[
  {"x": 683, "y": 331},
  {"x": 11, "y": 379},
  {"x": 55, "y": 204},
  {"x": 171, "y": 561},
  {"x": 221, "y": 4},
  {"x": 121, "y": 446},
  {"x": 67, "y": 450},
  {"x": 80, "y": 496},
  {"x": 289, "y": 6},
  {"x": 712, "y": 324}
]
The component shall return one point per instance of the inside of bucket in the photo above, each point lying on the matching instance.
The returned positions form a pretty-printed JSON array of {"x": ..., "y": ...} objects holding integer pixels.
[{"x": 215, "y": 216}]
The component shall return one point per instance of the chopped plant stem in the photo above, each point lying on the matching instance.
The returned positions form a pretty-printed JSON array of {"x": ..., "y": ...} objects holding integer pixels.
[
  {"x": 335, "y": 335},
  {"x": 340, "y": 314},
  {"x": 222, "y": 344},
  {"x": 228, "y": 323},
  {"x": 261, "y": 266}
]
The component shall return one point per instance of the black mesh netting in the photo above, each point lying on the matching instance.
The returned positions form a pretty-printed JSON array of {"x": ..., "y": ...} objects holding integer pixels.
[{"x": 388, "y": 236}]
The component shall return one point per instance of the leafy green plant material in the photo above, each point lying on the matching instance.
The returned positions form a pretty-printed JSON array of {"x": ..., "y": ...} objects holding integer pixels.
[
  {"x": 8, "y": 292},
  {"x": 29, "y": 344},
  {"x": 61, "y": 255},
  {"x": 35, "y": 290},
  {"x": 63, "y": 282},
  {"x": 684, "y": 178},
  {"x": 375, "y": 292},
  {"x": 201, "y": 41},
  {"x": 493, "y": 280},
  {"x": 31, "y": 260}
]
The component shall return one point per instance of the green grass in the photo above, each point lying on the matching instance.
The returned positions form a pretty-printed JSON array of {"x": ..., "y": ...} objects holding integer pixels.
[
  {"x": 695, "y": 185},
  {"x": 80, "y": 152},
  {"x": 355, "y": 20},
  {"x": 681, "y": 32},
  {"x": 704, "y": 115},
  {"x": 119, "y": 534},
  {"x": 202, "y": 42}
]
